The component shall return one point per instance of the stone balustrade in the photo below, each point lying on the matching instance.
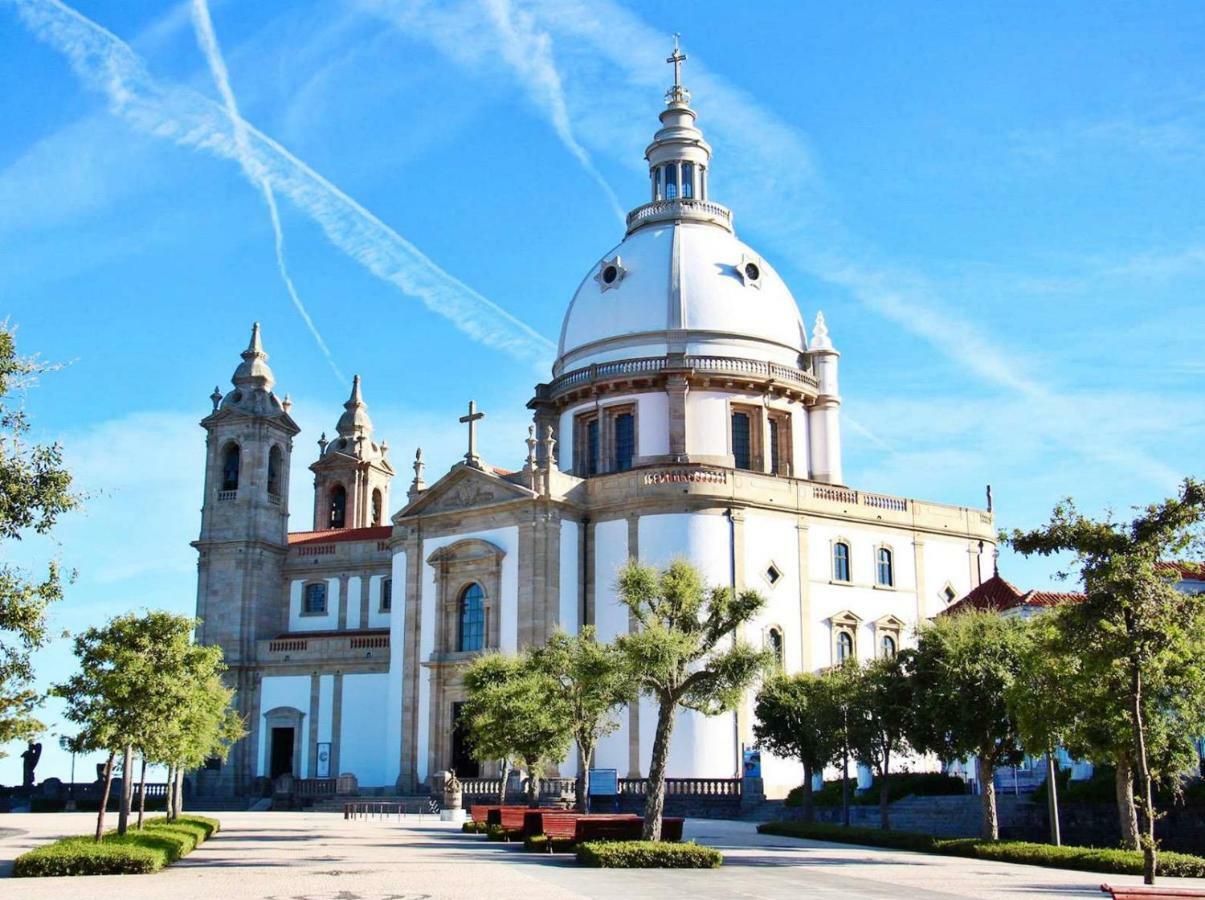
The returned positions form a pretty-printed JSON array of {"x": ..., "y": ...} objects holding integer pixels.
[
  {"x": 343, "y": 646},
  {"x": 681, "y": 208},
  {"x": 650, "y": 366}
]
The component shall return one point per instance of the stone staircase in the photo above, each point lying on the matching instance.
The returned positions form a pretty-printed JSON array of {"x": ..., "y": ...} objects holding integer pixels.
[{"x": 413, "y": 803}]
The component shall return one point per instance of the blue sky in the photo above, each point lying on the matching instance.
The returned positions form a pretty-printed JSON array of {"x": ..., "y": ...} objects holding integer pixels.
[{"x": 997, "y": 206}]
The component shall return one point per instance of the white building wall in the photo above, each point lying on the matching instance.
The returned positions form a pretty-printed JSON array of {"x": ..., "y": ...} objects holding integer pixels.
[
  {"x": 652, "y": 424},
  {"x": 362, "y": 734},
  {"x": 507, "y": 539},
  {"x": 707, "y": 422},
  {"x": 610, "y": 621},
  {"x": 326, "y": 706},
  {"x": 290, "y": 691},
  {"x": 950, "y": 560},
  {"x": 353, "y": 602},
  {"x": 569, "y": 588},
  {"x": 702, "y": 746},
  {"x": 377, "y": 618},
  {"x": 328, "y": 622},
  {"x": 394, "y": 686}
]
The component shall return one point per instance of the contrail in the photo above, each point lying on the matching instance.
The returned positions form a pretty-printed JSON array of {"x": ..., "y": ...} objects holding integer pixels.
[
  {"x": 208, "y": 41},
  {"x": 105, "y": 63}
]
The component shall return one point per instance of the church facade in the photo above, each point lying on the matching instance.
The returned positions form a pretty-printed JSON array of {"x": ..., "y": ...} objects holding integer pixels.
[{"x": 688, "y": 414}]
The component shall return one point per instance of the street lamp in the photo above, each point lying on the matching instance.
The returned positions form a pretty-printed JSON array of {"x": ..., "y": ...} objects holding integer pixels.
[{"x": 69, "y": 745}]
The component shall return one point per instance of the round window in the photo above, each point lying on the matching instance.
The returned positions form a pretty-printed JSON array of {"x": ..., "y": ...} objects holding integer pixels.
[
  {"x": 610, "y": 273},
  {"x": 752, "y": 272}
]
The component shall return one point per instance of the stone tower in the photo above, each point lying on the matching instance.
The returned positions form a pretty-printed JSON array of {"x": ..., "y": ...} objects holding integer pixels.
[
  {"x": 352, "y": 473},
  {"x": 244, "y": 528}
]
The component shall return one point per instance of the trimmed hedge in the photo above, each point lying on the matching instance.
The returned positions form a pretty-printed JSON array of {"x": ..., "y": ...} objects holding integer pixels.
[
  {"x": 900, "y": 785},
  {"x": 647, "y": 855},
  {"x": 1084, "y": 859},
  {"x": 541, "y": 843},
  {"x": 157, "y": 844}
]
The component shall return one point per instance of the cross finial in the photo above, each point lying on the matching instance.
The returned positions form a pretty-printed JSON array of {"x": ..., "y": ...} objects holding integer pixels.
[
  {"x": 677, "y": 94},
  {"x": 471, "y": 419}
]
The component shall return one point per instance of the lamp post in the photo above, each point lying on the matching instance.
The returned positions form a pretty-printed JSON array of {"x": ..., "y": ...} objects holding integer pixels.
[
  {"x": 845, "y": 763},
  {"x": 68, "y": 744}
]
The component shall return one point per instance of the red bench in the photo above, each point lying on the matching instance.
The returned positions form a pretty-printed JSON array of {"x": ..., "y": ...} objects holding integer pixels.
[
  {"x": 480, "y": 812},
  {"x": 1149, "y": 892}
]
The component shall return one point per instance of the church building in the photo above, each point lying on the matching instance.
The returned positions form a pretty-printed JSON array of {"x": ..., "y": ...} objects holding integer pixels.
[{"x": 689, "y": 414}]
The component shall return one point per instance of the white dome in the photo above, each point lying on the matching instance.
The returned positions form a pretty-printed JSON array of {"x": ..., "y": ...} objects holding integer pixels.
[{"x": 685, "y": 287}]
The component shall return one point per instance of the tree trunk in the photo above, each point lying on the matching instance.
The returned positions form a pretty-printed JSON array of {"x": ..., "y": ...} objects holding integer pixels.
[
  {"x": 533, "y": 782},
  {"x": 1052, "y": 798},
  {"x": 142, "y": 793},
  {"x": 809, "y": 800},
  {"x": 104, "y": 796},
  {"x": 178, "y": 804},
  {"x": 990, "y": 824},
  {"x": 127, "y": 789},
  {"x": 1126, "y": 811},
  {"x": 505, "y": 767},
  {"x": 581, "y": 790},
  {"x": 1147, "y": 839},
  {"x": 654, "y": 803},
  {"x": 171, "y": 793},
  {"x": 885, "y": 797}
]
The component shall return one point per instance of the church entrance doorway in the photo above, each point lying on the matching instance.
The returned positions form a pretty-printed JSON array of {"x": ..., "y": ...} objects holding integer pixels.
[
  {"x": 463, "y": 763},
  {"x": 282, "y": 752}
]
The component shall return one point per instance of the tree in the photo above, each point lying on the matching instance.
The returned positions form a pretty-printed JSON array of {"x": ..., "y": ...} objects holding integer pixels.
[
  {"x": 880, "y": 720},
  {"x": 35, "y": 489},
  {"x": 798, "y": 718},
  {"x": 1134, "y": 622},
  {"x": 515, "y": 710},
  {"x": 961, "y": 670},
  {"x": 594, "y": 682},
  {"x": 685, "y": 652}
]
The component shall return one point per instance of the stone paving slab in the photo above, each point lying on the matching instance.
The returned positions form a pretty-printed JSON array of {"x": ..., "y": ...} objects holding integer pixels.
[{"x": 319, "y": 856}]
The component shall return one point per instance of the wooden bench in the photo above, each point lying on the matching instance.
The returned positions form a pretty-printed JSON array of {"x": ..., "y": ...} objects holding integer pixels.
[
  {"x": 494, "y": 814},
  {"x": 1149, "y": 892},
  {"x": 607, "y": 828},
  {"x": 480, "y": 812}
]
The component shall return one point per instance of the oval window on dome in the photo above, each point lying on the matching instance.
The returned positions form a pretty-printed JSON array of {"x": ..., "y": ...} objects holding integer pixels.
[
  {"x": 752, "y": 272},
  {"x": 610, "y": 273}
]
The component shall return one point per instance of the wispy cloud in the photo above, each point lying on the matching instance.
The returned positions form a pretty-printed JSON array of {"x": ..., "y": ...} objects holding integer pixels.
[
  {"x": 105, "y": 63},
  {"x": 207, "y": 39}
]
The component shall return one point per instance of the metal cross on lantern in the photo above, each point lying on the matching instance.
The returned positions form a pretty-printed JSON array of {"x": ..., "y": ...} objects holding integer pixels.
[{"x": 472, "y": 418}]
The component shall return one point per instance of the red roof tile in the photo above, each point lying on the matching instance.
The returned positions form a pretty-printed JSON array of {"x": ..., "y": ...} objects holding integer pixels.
[
  {"x": 340, "y": 535},
  {"x": 998, "y": 594}
]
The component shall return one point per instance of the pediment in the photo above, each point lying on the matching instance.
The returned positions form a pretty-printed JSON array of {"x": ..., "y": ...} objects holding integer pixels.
[{"x": 464, "y": 487}]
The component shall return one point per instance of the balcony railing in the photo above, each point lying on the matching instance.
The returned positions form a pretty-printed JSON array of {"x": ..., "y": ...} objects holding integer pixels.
[
  {"x": 859, "y": 498},
  {"x": 680, "y": 209},
  {"x": 704, "y": 365},
  {"x": 342, "y": 646}
]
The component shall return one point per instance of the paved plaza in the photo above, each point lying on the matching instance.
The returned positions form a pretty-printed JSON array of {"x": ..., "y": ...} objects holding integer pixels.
[{"x": 319, "y": 856}]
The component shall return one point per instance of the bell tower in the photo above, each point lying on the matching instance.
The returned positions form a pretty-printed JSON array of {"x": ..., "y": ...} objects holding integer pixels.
[{"x": 352, "y": 473}]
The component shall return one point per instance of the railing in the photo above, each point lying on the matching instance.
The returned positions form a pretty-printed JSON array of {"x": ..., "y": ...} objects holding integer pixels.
[
  {"x": 369, "y": 809},
  {"x": 857, "y": 498},
  {"x": 680, "y": 208},
  {"x": 227, "y": 495},
  {"x": 288, "y": 645},
  {"x": 652, "y": 365},
  {"x": 274, "y": 499},
  {"x": 481, "y": 787},
  {"x": 370, "y": 642},
  {"x": 344, "y": 645},
  {"x": 692, "y": 787},
  {"x": 315, "y": 787},
  {"x": 686, "y": 476}
]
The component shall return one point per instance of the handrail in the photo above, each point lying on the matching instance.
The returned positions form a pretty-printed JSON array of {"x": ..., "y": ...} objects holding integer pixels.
[
  {"x": 653, "y": 365},
  {"x": 680, "y": 208}
]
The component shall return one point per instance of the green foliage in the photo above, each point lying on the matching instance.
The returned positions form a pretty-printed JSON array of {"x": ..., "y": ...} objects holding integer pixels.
[
  {"x": 516, "y": 709},
  {"x": 685, "y": 652},
  {"x": 495, "y": 833},
  {"x": 962, "y": 669},
  {"x": 798, "y": 717},
  {"x": 594, "y": 682},
  {"x": 647, "y": 855},
  {"x": 471, "y": 827},
  {"x": 35, "y": 490},
  {"x": 1084, "y": 859},
  {"x": 139, "y": 850},
  {"x": 542, "y": 843},
  {"x": 881, "y": 712}
]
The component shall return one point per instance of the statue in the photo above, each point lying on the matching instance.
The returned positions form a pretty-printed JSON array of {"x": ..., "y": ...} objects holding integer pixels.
[
  {"x": 30, "y": 757},
  {"x": 453, "y": 796}
]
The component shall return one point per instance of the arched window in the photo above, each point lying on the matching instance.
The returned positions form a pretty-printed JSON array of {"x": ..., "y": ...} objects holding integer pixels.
[
  {"x": 688, "y": 180},
  {"x": 378, "y": 506},
  {"x": 387, "y": 595},
  {"x": 338, "y": 509},
  {"x": 742, "y": 448},
  {"x": 884, "y": 570},
  {"x": 625, "y": 441},
  {"x": 774, "y": 642},
  {"x": 471, "y": 634},
  {"x": 845, "y": 647},
  {"x": 841, "y": 561},
  {"x": 274, "y": 471},
  {"x": 657, "y": 183},
  {"x": 230, "y": 467},
  {"x": 889, "y": 648}
]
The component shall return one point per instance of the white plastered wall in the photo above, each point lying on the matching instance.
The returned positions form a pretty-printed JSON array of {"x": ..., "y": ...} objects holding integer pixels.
[
  {"x": 394, "y": 687},
  {"x": 327, "y": 622},
  {"x": 290, "y": 692},
  {"x": 363, "y": 728},
  {"x": 353, "y": 602},
  {"x": 376, "y": 617},
  {"x": 569, "y": 599},
  {"x": 610, "y": 621}
]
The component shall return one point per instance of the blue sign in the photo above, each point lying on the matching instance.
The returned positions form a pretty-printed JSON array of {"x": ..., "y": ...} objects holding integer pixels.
[
  {"x": 604, "y": 782},
  {"x": 752, "y": 763}
]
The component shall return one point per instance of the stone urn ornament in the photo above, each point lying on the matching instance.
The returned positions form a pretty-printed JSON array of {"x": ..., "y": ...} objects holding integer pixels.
[{"x": 453, "y": 810}]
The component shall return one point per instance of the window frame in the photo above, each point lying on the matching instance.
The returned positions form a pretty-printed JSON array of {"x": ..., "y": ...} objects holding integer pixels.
[
  {"x": 888, "y": 626},
  {"x": 879, "y": 550},
  {"x": 781, "y": 444},
  {"x": 849, "y": 567},
  {"x": 305, "y": 598},
  {"x": 224, "y": 485},
  {"x": 385, "y": 603},
  {"x": 462, "y": 613},
  {"x": 845, "y": 623},
  {"x": 756, "y": 416},
  {"x": 780, "y": 651},
  {"x": 275, "y": 471},
  {"x": 331, "y": 493}
]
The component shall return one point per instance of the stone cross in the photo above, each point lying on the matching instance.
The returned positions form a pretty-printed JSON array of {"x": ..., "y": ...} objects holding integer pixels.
[
  {"x": 677, "y": 58},
  {"x": 471, "y": 419}
]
